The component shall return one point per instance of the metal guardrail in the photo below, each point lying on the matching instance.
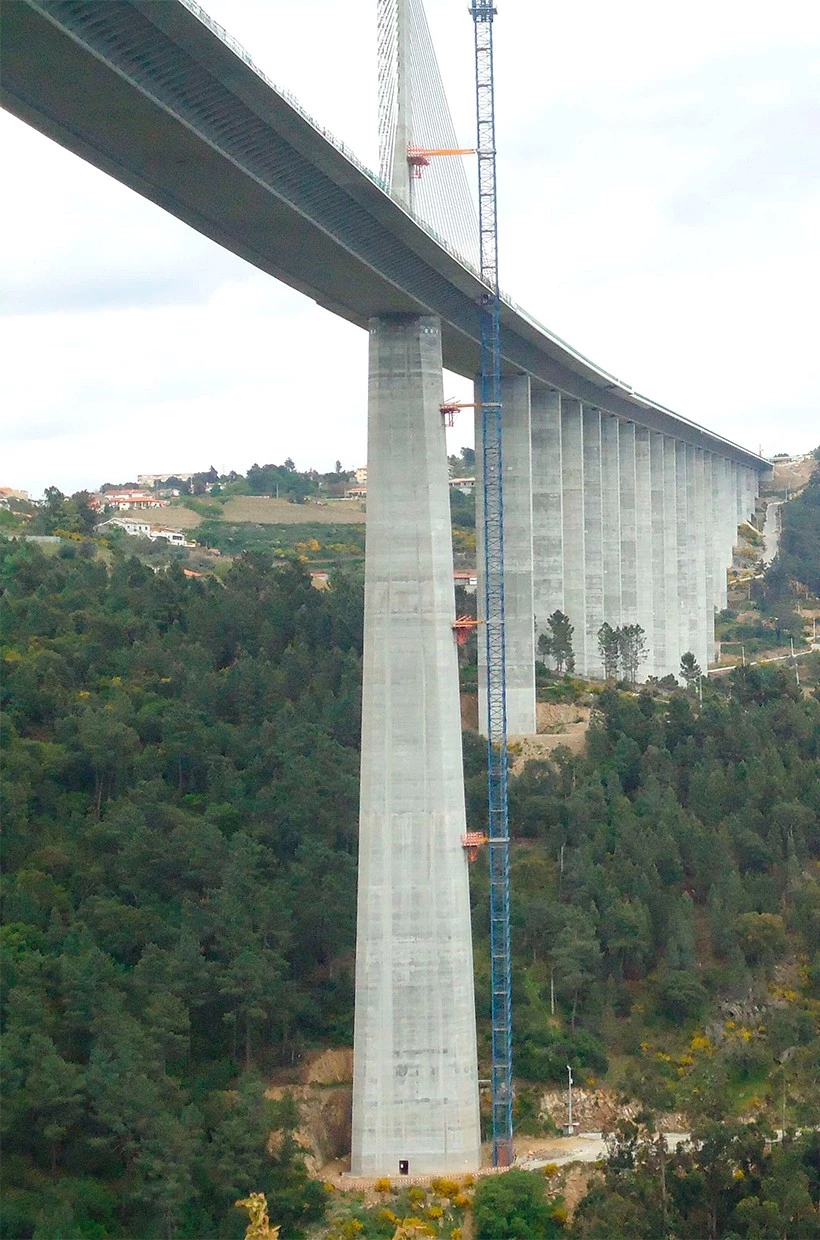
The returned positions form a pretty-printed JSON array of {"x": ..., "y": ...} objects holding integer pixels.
[{"x": 244, "y": 55}]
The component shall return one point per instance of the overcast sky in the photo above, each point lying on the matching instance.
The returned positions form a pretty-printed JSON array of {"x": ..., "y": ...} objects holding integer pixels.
[{"x": 659, "y": 187}]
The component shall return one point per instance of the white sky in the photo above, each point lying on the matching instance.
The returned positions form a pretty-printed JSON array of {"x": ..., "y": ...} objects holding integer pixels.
[{"x": 659, "y": 199}]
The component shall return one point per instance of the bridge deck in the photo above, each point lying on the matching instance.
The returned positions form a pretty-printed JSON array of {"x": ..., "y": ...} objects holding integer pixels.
[{"x": 152, "y": 95}]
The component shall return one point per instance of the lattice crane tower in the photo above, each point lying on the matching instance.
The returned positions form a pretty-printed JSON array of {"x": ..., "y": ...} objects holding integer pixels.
[{"x": 489, "y": 386}]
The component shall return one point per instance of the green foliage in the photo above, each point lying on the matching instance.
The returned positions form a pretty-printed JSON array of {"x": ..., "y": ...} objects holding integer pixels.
[
  {"x": 609, "y": 648},
  {"x": 205, "y": 508},
  {"x": 283, "y": 481},
  {"x": 682, "y": 997},
  {"x": 462, "y": 509},
  {"x": 463, "y": 465},
  {"x": 181, "y": 786},
  {"x": 666, "y": 871},
  {"x": 623, "y": 647},
  {"x": 544, "y": 1055},
  {"x": 180, "y": 792},
  {"x": 798, "y": 555},
  {"x": 514, "y": 1206},
  {"x": 556, "y": 642},
  {"x": 59, "y": 514},
  {"x": 333, "y": 543},
  {"x": 690, "y": 670},
  {"x": 733, "y": 1181}
]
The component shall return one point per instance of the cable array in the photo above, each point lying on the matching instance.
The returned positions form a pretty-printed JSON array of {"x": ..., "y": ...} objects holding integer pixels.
[{"x": 441, "y": 195}]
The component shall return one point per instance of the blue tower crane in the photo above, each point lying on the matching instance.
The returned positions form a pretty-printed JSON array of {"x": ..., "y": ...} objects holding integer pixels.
[{"x": 483, "y": 12}]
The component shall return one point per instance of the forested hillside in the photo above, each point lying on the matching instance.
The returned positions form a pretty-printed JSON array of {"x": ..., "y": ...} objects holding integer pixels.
[
  {"x": 181, "y": 777},
  {"x": 798, "y": 558},
  {"x": 181, "y": 771},
  {"x": 665, "y": 889}
]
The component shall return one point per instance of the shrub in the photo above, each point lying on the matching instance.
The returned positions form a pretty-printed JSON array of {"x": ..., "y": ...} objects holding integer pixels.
[
  {"x": 513, "y": 1206},
  {"x": 545, "y": 1053},
  {"x": 444, "y": 1188},
  {"x": 681, "y": 996}
]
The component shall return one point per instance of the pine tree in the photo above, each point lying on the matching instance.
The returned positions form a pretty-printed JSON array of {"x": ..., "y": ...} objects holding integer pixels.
[
  {"x": 690, "y": 670},
  {"x": 561, "y": 632},
  {"x": 609, "y": 647},
  {"x": 633, "y": 650}
]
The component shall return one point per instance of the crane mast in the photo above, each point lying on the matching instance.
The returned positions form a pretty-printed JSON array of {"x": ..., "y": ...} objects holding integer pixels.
[{"x": 483, "y": 12}]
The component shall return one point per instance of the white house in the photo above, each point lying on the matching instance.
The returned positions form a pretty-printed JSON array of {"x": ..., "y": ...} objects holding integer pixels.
[
  {"x": 467, "y": 577},
  {"x": 175, "y": 537},
  {"x": 143, "y": 529},
  {"x": 131, "y": 525}
]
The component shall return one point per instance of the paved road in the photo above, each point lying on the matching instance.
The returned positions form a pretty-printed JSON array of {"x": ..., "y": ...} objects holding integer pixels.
[
  {"x": 776, "y": 658},
  {"x": 771, "y": 530}
]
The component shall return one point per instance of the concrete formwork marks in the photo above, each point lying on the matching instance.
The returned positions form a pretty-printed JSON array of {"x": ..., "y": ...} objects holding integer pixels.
[
  {"x": 674, "y": 637},
  {"x": 659, "y": 585},
  {"x": 611, "y": 520},
  {"x": 547, "y": 506},
  {"x": 643, "y": 508},
  {"x": 628, "y": 526},
  {"x": 415, "y": 1091},
  {"x": 593, "y": 616},
  {"x": 572, "y": 471}
]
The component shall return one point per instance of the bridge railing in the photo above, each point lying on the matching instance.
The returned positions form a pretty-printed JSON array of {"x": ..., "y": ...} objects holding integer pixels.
[
  {"x": 236, "y": 47},
  {"x": 244, "y": 55}
]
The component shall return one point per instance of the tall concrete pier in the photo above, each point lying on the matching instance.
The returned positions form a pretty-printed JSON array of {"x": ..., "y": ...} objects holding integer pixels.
[{"x": 415, "y": 1085}]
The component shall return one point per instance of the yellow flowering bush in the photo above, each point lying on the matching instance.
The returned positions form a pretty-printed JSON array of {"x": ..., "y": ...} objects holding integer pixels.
[{"x": 444, "y": 1187}]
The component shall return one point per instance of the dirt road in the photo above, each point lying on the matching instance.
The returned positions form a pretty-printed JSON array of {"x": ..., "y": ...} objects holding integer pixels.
[{"x": 586, "y": 1147}]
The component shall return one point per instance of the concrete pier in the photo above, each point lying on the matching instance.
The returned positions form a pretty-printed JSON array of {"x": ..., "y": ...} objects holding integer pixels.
[
  {"x": 703, "y": 606},
  {"x": 674, "y": 650},
  {"x": 572, "y": 524},
  {"x": 547, "y": 506},
  {"x": 660, "y": 603},
  {"x": 611, "y": 520},
  {"x": 628, "y": 523},
  {"x": 593, "y": 616},
  {"x": 621, "y": 524},
  {"x": 709, "y": 555},
  {"x": 643, "y": 509},
  {"x": 685, "y": 573},
  {"x": 415, "y": 1086},
  {"x": 519, "y": 604}
]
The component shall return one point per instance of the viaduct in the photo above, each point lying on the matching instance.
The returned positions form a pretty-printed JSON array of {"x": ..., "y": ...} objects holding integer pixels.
[{"x": 616, "y": 509}]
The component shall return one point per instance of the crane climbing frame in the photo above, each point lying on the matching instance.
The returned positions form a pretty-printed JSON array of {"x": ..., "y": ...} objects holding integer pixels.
[{"x": 483, "y": 12}]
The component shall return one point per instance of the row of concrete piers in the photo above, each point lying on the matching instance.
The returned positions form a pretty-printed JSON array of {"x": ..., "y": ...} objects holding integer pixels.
[
  {"x": 609, "y": 521},
  {"x": 604, "y": 520}
]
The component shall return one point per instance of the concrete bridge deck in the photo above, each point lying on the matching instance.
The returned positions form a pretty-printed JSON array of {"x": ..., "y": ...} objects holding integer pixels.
[{"x": 152, "y": 93}]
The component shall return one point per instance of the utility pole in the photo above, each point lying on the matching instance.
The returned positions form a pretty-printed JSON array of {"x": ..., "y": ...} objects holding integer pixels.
[{"x": 569, "y": 1101}]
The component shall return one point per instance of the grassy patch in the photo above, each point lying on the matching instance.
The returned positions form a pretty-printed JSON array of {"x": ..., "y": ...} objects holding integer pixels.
[{"x": 315, "y": 543}]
